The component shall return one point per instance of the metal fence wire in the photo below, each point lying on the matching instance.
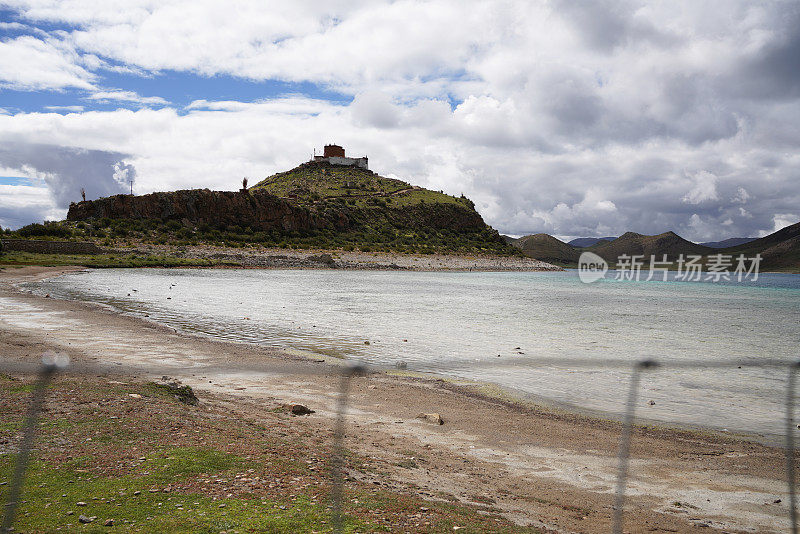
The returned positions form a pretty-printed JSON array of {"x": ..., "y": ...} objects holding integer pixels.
[{"x": 53, "y": 364}]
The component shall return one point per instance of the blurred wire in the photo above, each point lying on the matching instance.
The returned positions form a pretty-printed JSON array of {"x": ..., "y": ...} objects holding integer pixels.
[{"x": 51, "y": 363}]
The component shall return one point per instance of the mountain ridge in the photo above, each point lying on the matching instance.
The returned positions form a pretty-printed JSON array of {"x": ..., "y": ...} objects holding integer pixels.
[{"x": 779, "y": 250}]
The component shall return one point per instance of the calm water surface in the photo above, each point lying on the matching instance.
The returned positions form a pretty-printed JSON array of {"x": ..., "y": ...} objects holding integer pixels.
[{"x": 496, "y": 327}]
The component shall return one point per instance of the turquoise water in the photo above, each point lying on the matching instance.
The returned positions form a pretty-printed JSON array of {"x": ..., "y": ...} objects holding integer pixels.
[{"x": 497, "y": 327}]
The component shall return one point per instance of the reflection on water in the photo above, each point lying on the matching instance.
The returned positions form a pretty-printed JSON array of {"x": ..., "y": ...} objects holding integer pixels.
[{"x": 494, "y": 327}]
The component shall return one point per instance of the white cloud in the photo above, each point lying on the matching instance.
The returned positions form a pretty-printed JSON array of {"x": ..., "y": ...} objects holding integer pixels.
[
  {"x": 126, "y": 96},
  {"x": 375, "y": 108},
  {"x": 703, "y": 189},
  {"x": 577, "y": 121},
  {"x": 73, "y": 109},
  {"x": 5, "y": 26},
  {"x": 741, "y": 196},
  {"x": 780, "y": 221},
  {"x": 23, "y": 204},
  {"x": 30, "y": 63}
]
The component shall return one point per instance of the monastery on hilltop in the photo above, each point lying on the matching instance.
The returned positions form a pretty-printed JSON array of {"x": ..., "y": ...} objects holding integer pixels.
[{"x": 334, "y": 154}]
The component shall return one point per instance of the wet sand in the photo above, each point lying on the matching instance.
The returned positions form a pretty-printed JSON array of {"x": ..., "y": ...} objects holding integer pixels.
[{"x": 537, "y": 465}]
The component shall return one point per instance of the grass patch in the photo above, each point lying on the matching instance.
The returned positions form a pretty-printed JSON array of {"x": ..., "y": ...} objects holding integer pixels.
[
  {"x": 181, "y": 393},
  {"x": 101, "y": 260},
  {"x": 133, "y": 454}
]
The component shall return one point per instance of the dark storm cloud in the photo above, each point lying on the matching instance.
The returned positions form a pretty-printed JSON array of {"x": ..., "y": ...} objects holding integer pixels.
[
  {"x": 14, "y": 217},
  {"x": 607, "y": 24},
  {"x": 774, "y": 73},
  {"x": 66, "y": 170}
]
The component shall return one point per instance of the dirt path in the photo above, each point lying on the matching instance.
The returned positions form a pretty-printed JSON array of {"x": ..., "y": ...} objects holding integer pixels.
[{"x": 537, "y": 466}]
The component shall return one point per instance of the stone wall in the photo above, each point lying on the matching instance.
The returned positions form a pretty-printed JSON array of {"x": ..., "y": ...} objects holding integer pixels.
[
  {"x": 356, "y": 162},
  {"x": 51, "y": 247}
]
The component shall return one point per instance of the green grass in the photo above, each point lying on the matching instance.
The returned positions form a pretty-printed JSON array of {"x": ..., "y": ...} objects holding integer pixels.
[
  {"x": 373, "y": 234},
  {"x": 316, "y": 181},
  {"x": 195, "y": 469},
  {"x": 52, "y": 491},
  {"x": 100, "y": 260}
]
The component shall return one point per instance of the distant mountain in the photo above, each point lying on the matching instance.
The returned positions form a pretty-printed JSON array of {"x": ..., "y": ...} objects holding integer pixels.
[
  {"x": 730, "y": 242},
  {"x": 583, "y": 242},
  {"x": 779, "y": 250},
  {"x": 547, "y": 248},
  {"x": 508, "y": 239},
  {"x": 631, "y": 243}
]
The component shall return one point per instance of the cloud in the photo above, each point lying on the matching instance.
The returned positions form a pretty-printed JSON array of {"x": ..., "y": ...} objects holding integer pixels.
[
  {"x": 62, "y": 172},
  {"x": 124, "y": 174},
  {"x": 5, "y": 26},
  {"x": 780, "y": 221},
  {"x": 375, "y": 108},
  {"x": 126, "y": 96},
  {"x": 73, "y": 109},
  {"x": 23, "y": 204},
  {"x": 741, "y": 196},
  {"x": 582, "y": 120},
  {"x": 704, "y": 188},
  {"x": 30, "y": 63}
]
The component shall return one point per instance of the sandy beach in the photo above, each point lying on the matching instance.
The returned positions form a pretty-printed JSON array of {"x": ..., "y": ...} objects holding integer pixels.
[{"x": 533, "y": 465}]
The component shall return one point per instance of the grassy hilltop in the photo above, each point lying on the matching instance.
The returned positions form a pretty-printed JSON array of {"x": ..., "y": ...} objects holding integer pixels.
[
  {"x": 313, "y": 182},
  {"x": 313, "y": 206}
]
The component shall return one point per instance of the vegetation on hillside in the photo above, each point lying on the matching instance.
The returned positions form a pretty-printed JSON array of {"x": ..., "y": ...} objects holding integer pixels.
[
  {"x": 374, "y": 236},
  {"x": 315, "y": 181},
  {"x": 780, "y": 251},
  {"x": 669, "y": 243},
  {"x": 547, "y": 248}
]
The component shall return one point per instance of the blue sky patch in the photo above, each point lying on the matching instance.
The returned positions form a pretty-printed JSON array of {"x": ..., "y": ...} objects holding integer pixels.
[
  {"x": 179, "y": 89},
  {"x": 14, "y": 180}
]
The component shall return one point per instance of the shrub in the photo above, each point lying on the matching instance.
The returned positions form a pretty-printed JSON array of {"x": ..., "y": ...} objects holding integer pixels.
[
  {"x": 173, "y": 225},
  {"x": 42, "y": 230}
]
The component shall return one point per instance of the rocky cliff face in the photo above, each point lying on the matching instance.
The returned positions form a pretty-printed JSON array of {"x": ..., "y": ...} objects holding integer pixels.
[
  {"x": 259, "y": 210},
  {"x": 262, "y": 211}
]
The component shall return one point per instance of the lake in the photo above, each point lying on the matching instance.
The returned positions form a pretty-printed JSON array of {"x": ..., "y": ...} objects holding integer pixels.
[{"x": 500, "y": 328}]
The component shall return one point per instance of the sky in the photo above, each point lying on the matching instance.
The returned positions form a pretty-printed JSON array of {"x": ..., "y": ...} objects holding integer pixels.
[{"x": 566, "y": 117}]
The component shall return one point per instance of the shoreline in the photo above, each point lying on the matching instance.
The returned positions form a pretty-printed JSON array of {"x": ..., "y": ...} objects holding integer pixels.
[
  {"x": 509, "y": 440},
  {"x": 206, "y": 256},
  {"x": 491, "y": 391}
]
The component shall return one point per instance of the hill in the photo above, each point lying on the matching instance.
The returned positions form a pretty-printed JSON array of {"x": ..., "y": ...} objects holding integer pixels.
[
  {"x": 508, "y": 239},
  {"x": 730, "y": 242},
  {"x": 779, "y": 250},
  {"x": 583, "y": 242},
  {"x": 631, "y": 243},
  {"x": 547, "y": 248},
  {"x": 316, "y": 204}
]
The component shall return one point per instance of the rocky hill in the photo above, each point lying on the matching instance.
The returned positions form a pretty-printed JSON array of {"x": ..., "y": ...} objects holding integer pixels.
[
  {"x": 259, "y": 210},
  {"x": 315, "y": 204}
]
